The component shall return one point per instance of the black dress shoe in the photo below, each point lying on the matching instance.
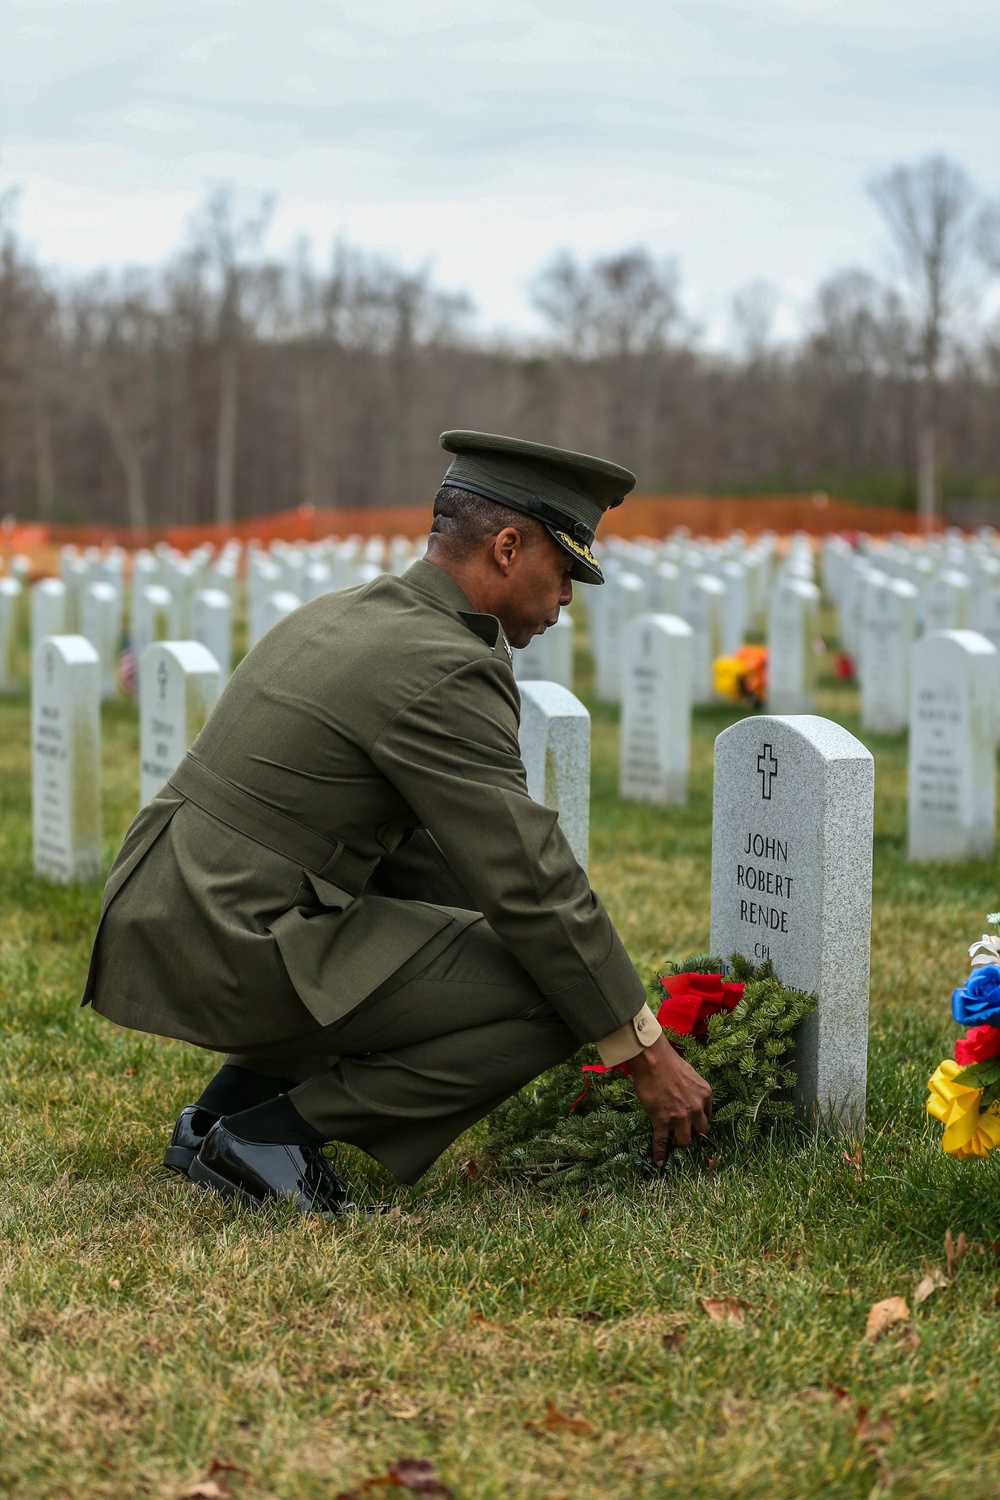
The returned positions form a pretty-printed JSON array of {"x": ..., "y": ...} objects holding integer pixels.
[
  {"x": 193, "y": 1124},
  {"x": 254, "y": 1172}
]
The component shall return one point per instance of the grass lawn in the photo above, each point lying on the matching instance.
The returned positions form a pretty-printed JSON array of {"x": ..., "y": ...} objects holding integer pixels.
[{"x": 148, "y": 1330}]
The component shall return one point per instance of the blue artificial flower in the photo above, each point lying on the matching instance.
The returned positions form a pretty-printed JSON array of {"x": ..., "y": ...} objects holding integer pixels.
[{"x": 977, "y": 1002}]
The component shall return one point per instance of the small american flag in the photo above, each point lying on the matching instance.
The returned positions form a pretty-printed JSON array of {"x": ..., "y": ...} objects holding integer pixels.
[{"x": 127, "y": 674}]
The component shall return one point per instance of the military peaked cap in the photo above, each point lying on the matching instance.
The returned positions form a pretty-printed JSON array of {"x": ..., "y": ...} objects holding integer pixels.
[{"x": 568, "y": 492}]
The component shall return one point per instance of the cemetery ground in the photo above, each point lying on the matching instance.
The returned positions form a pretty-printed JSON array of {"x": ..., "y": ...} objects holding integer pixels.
[{"x": 522, "y": 1343}]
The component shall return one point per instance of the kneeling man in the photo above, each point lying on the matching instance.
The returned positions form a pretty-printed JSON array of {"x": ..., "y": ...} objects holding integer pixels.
[{"x": 345, "y": 885}]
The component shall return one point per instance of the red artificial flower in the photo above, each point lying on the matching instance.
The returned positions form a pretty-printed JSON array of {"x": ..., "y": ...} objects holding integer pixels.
[
  {"x": 692, "y": 999},
  {"x": 843, "y": 666},
  {"x": 977, "y": 1045}
]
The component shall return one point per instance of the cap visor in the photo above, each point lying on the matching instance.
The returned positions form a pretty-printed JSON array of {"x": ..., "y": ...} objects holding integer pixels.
[{"x": 586, "y": 568}]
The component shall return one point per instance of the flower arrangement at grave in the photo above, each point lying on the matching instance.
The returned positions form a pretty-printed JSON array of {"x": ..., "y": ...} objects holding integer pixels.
[
  {"x": 742, "y": 677},
  {"x": 965, "y": 1089},
  {"x": 581, "y": 1121}
]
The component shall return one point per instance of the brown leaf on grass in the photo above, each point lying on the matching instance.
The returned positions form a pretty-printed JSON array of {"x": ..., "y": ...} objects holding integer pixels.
[
  {"x": 675, "y": 1338},
  {"x": 555, "y": 1420},
  {"x": 482, "y": 1322},
  {"x": 883, "y": 1315},
  {"x": 954, "y": 1251},
  {"x": 211, "y": 1487},
  {"x": 131, "y": 1072},
  {"x": 416, "y": 1474},
  {"x": 930, "y": 1281},
  {"x": 874, "y": 1432},
  {"x": 828, "y": 1392},
  {"x": 584, "y": 1213},
  {"x": 468, "y": 1169},
  {"x": 854, "y": 1158},
  {"x": 725, "y": 1309}
]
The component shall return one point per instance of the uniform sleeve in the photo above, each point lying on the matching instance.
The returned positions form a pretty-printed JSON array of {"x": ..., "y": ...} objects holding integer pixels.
[{"x": 453, "y": 754}]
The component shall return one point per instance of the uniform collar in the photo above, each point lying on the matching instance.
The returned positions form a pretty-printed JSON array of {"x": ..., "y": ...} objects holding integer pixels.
[{"x": 429, "y": 579}]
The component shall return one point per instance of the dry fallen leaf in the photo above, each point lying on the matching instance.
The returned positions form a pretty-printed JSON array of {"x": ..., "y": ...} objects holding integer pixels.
[
  {"x": 854, "y": 1158},
  {"x": 873, "y": 1431},
  {"x": 416, "y": 1474},
  {"x": 114, "y": 1283},
  {"x": 675, "y": 1338},
  {"x": 954, "y": 1252},
  {"x": 930, "y": 1281},
  {"x": 492, "y": 1327},
  {"x": 555, "y": 1420},
  {"x": 882, "y": 1315},
  {"x": 468, "y": 1169},
  {"x": 131, "y": 1072},
  {"x": 725, "y": 1309}
]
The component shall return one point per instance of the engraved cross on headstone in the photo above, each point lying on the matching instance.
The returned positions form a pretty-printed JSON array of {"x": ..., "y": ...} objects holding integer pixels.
[
  {"x": 163, "y": 677},
  {"x": 767, "y": 768}
]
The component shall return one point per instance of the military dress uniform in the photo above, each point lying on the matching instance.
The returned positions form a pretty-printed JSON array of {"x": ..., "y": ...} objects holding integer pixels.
[{"x": 346, "y": 884}]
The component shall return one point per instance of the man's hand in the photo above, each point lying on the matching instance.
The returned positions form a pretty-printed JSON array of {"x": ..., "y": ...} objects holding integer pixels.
[{"x": 675, "y": 1097}]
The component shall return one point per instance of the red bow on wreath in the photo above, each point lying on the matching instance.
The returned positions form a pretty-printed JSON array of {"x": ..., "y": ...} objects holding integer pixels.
[{"x": 691, "y": 999}]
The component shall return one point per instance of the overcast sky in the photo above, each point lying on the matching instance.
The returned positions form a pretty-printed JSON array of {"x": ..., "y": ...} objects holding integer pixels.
[{"x": 480, "y": 136}]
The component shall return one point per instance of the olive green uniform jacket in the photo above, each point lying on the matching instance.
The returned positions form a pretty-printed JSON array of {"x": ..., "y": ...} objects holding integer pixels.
[{"x": 361, "y": 717}]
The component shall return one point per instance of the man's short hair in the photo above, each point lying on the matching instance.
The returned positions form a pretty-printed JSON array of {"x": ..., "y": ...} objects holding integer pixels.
[{"x": 466, "y": 520}]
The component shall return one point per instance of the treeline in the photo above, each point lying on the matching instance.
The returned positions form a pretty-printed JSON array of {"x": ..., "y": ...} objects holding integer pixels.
[{"x": 226, "y": 384}]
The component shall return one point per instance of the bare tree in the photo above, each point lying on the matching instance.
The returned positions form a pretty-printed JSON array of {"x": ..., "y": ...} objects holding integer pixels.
[
  {"x": 619, "y": 305},
  {"x": 226, "y": 246},
  {"x": 931, "y": 210}
]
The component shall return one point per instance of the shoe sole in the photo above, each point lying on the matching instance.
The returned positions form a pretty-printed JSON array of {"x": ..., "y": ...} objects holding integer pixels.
[
  {"x": 179, "y": 1159},
  {"x": 205, "y": 1177}
]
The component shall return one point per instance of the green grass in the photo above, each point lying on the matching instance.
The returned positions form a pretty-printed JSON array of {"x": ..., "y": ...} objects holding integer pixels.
[{"x": 148, "y": 1329}]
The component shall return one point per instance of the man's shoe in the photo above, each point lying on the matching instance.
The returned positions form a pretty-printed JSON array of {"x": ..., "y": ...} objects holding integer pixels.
[
  {"x": 193, "y": 1124},
  {"x": 255, "y": 1173}
]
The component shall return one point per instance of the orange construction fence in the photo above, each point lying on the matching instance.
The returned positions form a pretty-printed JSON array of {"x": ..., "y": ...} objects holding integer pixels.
[{"x": 641, "y": 515}]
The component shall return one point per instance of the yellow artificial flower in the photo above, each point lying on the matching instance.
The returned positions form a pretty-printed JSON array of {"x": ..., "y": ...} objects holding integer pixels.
[
  {"x": 727, "y": 676},
  {"x": 967, "y": 1131}
]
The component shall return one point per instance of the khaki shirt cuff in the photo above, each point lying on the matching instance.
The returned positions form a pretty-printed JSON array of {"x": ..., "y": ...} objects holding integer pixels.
[{"x": 628, "y": 1041}]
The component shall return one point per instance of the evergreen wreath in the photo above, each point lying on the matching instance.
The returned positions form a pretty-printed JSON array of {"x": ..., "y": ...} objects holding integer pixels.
[{"x": 551, "y": 1133}]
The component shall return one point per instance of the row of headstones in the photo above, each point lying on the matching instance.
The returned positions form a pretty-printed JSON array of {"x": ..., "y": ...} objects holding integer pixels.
[
  {"x": 722, "y": 591},
  {"x": 888, "y": 593},
  {"x": 175, "y": 597},
  {"x": 952, "y": 711},
  {"x": 791, "y": 843}
]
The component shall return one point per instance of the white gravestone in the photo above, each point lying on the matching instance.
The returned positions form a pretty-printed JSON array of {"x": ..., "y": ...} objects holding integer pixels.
[
  {"x": 180, "y": 685},
  {"x": 888, "y": 630},
  {"x": 656, "y": 710},
  {"x": 624, "y": 598},
  {"x": 952, "y": 785},
  {"x": 66, "y": 758},
  {"x": 555, "y": 748},
  {"x": 152, "y": 618},
  {"x": 792, "y": 882},
  {"x": 212, "y": 626},
  {"x": 101, "y": 623},
  {"x": 10, "y": 619},
  {"x": 548, "y": 657},
  {"x": 735, "y": 606},
  {"x": 276, "y": 606},
  {"x": 791, "y": 648},
  {"x": 947, "y": 601},
  {"x": 48, "y": 609},
  {"x": 703, "y": 612}
]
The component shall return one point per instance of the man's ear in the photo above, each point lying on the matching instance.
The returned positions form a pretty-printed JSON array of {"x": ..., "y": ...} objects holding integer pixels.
[{"x": 506, "y": 546}]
